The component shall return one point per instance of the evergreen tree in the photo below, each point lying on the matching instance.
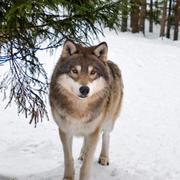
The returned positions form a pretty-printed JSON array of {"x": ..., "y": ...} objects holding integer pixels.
[
  {"x": 163, "y": 19},
  {"x": 135, "y": 15},
  {"x": 124, "y": 16},
  {"x": 28, "y": 26},
  {"x": 169, "y": 21},
  {"x": 177, "y": 19},
  {"x": 142, "y": 16},
  {"x": 151, "y": 16}
]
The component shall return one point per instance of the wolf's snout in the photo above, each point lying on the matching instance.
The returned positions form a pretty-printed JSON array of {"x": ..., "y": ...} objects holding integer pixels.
[{"x": 84, "y": 90}]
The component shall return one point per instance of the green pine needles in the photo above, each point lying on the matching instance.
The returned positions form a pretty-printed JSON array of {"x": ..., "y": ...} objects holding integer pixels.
[{"x": 28, "y": 26}]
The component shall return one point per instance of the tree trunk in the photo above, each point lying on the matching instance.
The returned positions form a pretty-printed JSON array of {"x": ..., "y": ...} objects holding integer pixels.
[
  {"x": 142, "y": 16},
  {"x": 156, "y": 13},
  {"x": 124, "y": 16},
  {"x": 151, "y": 17},
  {"x": 163, "y": 19},
  {"x": 135, "y": 16},
  {"x": 169, "y": 19},
  {"x": 177, "y": 19},
  {"x": 131, "y": 12}
]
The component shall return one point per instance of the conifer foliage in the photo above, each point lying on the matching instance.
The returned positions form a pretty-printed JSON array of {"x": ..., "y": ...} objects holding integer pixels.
[{"x": 28, "y": 26}]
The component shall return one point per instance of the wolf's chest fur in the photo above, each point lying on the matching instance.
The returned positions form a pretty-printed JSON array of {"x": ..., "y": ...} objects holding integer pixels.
[
  {"x": 77, "y": 116},
  {"x": 78, "y": 127}
]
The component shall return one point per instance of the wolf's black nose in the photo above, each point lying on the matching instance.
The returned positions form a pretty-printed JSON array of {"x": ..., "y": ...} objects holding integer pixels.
[{"x": 84, "y": 90}]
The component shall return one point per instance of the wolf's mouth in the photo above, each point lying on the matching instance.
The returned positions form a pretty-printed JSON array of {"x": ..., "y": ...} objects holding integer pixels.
[{"x": 83, "y": 96}]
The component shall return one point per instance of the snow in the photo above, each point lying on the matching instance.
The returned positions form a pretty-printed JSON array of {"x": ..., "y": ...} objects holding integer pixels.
[{"x": 145, "y": 144}]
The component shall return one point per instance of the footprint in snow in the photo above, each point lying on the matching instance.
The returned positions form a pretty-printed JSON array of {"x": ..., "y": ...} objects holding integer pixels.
[{"x": 114, "y": 172}]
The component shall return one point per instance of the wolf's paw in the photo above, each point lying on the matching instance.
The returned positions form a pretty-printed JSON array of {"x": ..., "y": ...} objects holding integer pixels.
[
  {"x": 81, "y": 157},
  {"x": 104, "y": 161}
]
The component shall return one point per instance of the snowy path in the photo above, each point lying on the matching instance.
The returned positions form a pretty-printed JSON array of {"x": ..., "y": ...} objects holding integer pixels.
[{"x": 145, "y": 144}]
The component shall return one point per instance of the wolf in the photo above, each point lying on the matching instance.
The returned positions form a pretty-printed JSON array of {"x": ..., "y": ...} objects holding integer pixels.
[{"x": 86, "y": 93}]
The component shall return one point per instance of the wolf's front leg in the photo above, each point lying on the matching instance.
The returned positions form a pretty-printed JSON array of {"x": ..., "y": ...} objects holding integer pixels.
[
  {"x": 90, "y": 146},
  {"x": 104, "y": 156},
  {"x": 66, "y": 140},
  {"x": 83, "y": 150}
]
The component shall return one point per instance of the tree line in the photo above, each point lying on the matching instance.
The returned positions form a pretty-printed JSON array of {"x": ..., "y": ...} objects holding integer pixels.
[{"x": 165, "y": 13}]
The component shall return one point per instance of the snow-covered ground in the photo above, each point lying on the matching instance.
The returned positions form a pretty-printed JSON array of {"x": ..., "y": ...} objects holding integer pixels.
[{"x": 145, "y": 144}]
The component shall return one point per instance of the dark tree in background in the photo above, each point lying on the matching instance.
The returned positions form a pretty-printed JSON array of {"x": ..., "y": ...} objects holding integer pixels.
[
  {"x": 28, "y": 26},
  {"x": 163, "y": 19},
  {"x": 135, "y": 14},
  {"x": 169, "y": 19},
  {"x": 177, "y": 19},
  {"x": 151, "y": 16},
  {"x": 124, "y": 24},
  {"x": 142, "y": 16}
]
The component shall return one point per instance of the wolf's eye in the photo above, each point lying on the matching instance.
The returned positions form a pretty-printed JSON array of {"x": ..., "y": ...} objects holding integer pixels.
[
  {"x": 74, "y": 71},
  {"x": 93, "y": 72}
]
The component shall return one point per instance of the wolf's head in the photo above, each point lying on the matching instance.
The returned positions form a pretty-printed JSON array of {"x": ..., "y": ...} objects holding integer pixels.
[{"x": 82, "y": 71}]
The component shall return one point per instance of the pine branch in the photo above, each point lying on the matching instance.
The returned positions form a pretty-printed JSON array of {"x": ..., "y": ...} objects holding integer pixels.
[{"x": 27, "y": 27}]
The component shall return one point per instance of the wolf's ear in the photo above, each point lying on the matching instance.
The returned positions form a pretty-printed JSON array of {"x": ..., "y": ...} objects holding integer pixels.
[
  {"x": 101, "y": 51},
  {"x": 69, "y": 48}
]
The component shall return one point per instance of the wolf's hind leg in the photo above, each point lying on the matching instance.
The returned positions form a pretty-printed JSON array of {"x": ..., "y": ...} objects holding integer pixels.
[
  {"x": 66, "y": 140},
  {"x": 104, "y": 156}
]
